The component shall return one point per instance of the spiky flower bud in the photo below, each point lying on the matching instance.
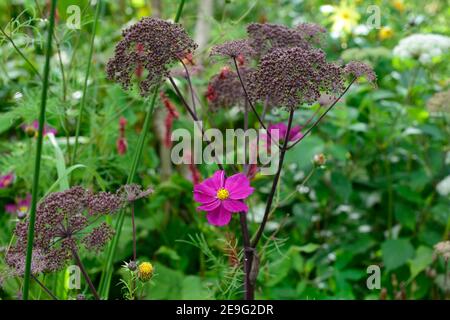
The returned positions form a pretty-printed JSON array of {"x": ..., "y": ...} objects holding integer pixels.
[{"x": 145, "y": 271}]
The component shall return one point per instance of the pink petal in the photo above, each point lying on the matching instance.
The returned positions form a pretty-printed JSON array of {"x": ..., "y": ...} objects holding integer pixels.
[
  {"x": 238, "y": 186},
  {"x": 235, "y": 206},
  {"x": 219, "y": 179},
  {"x": 295, "y": 133},
  {"x": 281, "y": 127},
  {"x": 205, "y": 188},
  {"x": 210, "y": 206},
  {"x": 10, "y": 208},
  {"x": 219, "y": 217},
  {"x": 202, "y": 197}
]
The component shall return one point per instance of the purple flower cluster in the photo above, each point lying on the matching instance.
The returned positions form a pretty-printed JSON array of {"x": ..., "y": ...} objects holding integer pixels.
[
  {"x": 151, "y": 44},
  {"x": 293, "y": 76},
  {"x": 360, "y": 69},
  {"x": 62, "y": 220},
  {"x": 225, "y": 90},
  {"x": 290, "y": 71},
  {"x": 96, "y": 239},
  {"x": 234, "y": 49},
  {"x": 267, "y": 36}
]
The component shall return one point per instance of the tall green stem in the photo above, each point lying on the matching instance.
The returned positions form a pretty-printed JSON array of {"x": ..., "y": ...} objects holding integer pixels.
[
  {"x": 37, "y": 163},
  {"x": 86, "y": 77},
  {"x": 105, "y": 281},
  {"x": 107, "y": 275},
  {"x": 180, "y": 10}
]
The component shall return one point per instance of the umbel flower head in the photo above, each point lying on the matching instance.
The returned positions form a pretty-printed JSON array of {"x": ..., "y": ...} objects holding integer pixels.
[
  {"x": 234, "y": 49},
  {"x": 359, "y": 69},
  {"x": 267, "y": 36},
  {"x": 225, "y": 90},
  {"x": 422, "y": 47},
  {"x": 221, "y": 196},
  {"x": 293, "y": 76},
  {"x": 151, "y": 44},
  {"x": 63, "y": 222},
  {"x": 439, "y": 102}
]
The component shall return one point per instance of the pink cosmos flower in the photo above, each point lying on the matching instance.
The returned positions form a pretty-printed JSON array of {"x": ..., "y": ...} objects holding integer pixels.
[
  {"x": 6, "y": 180},
  {"x": 282, "y": 127},
  {"x": 32, "y": 129},
  {"x": 220, "y": 196},
  {"x": 20, "y": 207}
]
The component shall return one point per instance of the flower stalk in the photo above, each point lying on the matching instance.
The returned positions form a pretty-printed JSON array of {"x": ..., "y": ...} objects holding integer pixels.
[
  {"x": 85, "y": 84},
  {"x": 84, "y": 272},
  {"x": 37, "y": 163}
]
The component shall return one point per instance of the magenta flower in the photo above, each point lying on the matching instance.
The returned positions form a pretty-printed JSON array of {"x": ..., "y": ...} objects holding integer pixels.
[
  {"x": 32, "y": 129},
  {"x": 6, "y": 180},
  {"x": 20, "y": 207},
  {"x": 282, "y": 127},
  {"x": 220, "y": 196}
]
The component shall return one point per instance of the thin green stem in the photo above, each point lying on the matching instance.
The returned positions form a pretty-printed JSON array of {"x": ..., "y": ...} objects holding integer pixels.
[
  {"x": 47, "y": 290},
  {"x": 322, "y": 116},
  {"x": 276, "y": 179},
  {"x": 84, "y": 272},
  {"x": 180, "y": 10},
  {"x": 107, "y": 275},
  {"x": 37, "y": 163},
  {"x": 86, "y": 77},
  {"x": 21, "y": 53}
]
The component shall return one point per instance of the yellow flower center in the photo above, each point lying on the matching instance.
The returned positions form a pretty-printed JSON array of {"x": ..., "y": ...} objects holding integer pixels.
[
  {"x": 222, "y": 194},
  {"x": 23, "y": 209}
]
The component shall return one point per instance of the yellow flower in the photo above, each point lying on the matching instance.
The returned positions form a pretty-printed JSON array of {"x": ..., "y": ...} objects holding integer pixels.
[
  {"x": 385, "y": 33},
  {"x": 399, "y": 5},
  {"x": 145, "y": 271},
  {"x": 345, "y": 18}
]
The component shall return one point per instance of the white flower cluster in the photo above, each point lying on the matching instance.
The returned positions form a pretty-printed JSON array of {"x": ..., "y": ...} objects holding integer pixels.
[{"x": 422, "y": 47}]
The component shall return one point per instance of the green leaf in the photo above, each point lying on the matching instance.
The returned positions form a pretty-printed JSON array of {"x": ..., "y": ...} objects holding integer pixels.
[
  {"x": 60, "y": 164},
  {"x": 168, "y": 252},
  {"x": 423, "y": 258},
  {"x": 308, "y": 248},
  {"x": 408, "y": 194},
  {"x": 193, "y": 289},
  {"x": 341, "y": 185},
  {"x": 7, "y": 119},
  {"x": 405, "y": 216},
  {"x": 396, "y": 253}
]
